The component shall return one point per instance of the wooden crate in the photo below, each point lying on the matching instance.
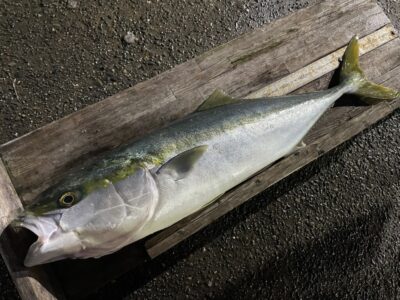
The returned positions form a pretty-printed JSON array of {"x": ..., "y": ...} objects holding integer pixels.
[{"x": 292, "y": 55}]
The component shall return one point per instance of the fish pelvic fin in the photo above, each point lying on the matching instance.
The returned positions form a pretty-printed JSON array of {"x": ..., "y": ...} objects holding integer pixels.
[{"x": 352, "y": 74}]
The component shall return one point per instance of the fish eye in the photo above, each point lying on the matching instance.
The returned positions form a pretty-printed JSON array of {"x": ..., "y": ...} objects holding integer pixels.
[{"x": 67, "y": 199}]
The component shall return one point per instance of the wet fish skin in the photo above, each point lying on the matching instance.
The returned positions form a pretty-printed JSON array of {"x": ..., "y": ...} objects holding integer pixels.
[{"x": 152, "y": 183}]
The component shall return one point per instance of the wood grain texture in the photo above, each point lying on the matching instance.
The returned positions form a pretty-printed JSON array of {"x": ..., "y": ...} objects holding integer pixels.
[
  {"x": 239, "y": 67},
  {"x": 32, "y": 283},
  {"x": 10, "y": 204},
  {"x": 271, "y": 56},
  {"x": 323, "y": 65}
]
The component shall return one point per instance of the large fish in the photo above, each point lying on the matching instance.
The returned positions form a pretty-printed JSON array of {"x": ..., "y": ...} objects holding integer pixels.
[{"x": 152, "y": 183}]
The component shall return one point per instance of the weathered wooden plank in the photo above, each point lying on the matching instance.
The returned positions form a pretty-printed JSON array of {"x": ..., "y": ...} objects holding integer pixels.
[
  {"x": 272, "y": 37},
  {"x": 31, "y": 283},
  {"x": 9, "y": 207},
  {"x": 339, "y": 125},
  {"x": 41, "y": 157},
  {"x": 282, "y": 50},
  {"x": 323, "y": 65}
]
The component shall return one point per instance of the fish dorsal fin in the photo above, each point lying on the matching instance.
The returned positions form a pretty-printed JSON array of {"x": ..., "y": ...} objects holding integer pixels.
[
  {"x": 217, "y": 98},
  {"x": 180, "y": 166}
]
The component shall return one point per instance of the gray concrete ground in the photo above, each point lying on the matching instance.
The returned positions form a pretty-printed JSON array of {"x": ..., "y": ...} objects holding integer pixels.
[{"x": 328, "y": 231}]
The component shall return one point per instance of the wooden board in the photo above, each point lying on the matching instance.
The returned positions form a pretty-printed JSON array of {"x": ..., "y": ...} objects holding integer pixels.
[{"x": 294, "y": 54}]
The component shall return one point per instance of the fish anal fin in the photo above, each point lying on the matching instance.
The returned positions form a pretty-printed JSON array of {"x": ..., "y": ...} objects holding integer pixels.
[
  {"x": 180, "y": 166},
  {"x": 212, "y": 201},
  {"x": 301, "y": 145},
  {"x": 217, "y": 98}
]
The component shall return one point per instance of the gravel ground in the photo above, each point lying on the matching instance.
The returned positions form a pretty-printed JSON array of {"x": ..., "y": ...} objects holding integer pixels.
[{"x": 328, "y": 231}]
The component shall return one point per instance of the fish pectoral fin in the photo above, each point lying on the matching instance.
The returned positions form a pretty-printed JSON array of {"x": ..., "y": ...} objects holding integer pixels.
[
  {"x": 181, "y": 165},
  {"x": 217, "y": 98}
]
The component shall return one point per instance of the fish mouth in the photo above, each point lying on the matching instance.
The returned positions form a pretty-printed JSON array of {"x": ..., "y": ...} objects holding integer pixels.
[{"x": 45, "y": 227}]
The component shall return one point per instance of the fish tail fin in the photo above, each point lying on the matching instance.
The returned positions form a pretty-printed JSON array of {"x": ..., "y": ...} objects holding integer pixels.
[{"x": 352, "y": 74}]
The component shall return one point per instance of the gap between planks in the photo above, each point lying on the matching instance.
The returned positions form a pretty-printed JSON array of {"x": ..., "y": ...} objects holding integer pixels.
[{"x": 171, "y": 236}]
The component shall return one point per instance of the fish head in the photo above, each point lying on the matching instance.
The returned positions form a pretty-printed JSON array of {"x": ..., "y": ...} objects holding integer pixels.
[
  {"x": 90, "y": 218},
  {"x": 43, "y": 217}
]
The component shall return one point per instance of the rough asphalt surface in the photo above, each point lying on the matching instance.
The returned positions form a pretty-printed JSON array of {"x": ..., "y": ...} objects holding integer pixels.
[{"x": 332, "y": 230}]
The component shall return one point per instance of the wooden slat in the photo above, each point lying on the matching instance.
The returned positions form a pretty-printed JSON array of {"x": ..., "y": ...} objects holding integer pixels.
[
  {"x": 337, "y": 126},
  {"x": 240, "y": 67},
  {"x": 31, "y": 283},
  {"x": 323, "y": 66},
  {"x": 265, "y": 58},
  {"x": 9, "y": 207}
]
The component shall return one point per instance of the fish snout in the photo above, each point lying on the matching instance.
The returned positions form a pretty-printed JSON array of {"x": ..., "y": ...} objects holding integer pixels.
[{"x": 52, "y": 243}]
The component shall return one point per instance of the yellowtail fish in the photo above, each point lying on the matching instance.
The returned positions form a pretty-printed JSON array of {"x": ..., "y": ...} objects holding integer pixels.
[{"x": 150, "y": 184}]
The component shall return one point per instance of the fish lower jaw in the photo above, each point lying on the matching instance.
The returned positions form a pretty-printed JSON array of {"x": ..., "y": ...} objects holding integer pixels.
[{"x": 57, "y": 247}]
